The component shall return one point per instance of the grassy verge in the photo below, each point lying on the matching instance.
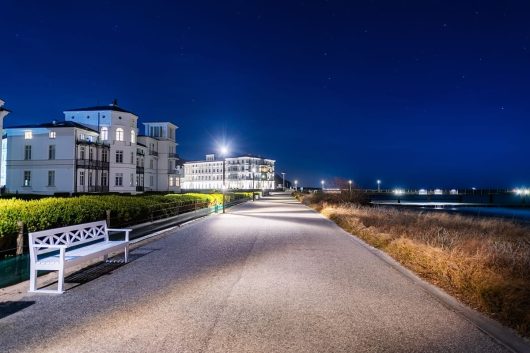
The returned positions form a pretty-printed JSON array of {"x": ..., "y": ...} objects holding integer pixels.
[{"x": 483, "y": 262}]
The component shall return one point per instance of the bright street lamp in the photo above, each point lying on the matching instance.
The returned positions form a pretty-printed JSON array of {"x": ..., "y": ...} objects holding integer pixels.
[
  {"x": 349, "y": 182},
  {"x": 322, "y": 182},
  {"x": 378, "y": 185},
  {"x": 224, "y": 152},
  {"x": 296, "y": 185}
]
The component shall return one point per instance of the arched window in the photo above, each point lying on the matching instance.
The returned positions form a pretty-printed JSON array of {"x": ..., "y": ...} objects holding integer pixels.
[
  {"x": 133, "y": 136},
  {"x": 119, "y": 134},
  {"x": 104, "y": 133}
]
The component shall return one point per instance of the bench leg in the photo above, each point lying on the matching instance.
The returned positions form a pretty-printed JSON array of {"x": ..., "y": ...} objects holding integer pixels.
[
  {"x": 60, "y": 281},
  {"x": 32, "y": 279},
  {"x": 126, "y": 253}
]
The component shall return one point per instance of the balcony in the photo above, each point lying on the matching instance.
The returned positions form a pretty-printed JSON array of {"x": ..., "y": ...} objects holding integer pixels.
[
  {"x": 91, "y": 164},
  {"x": 139, "y": 170},
  {"x": 173, "y": 155},
  {"x": 98, "y": 143},
  {"x": 98, "y": 188},
  {"x": 172, "y": 171},
  {"x": 153, "y": 153},
  {"x": 139, "y": 188},
  {"x": 140, "y": 152}
]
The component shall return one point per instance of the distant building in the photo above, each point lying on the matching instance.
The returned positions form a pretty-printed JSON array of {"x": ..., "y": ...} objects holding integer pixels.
[
  {"x": 3, "y": 113},
  {"x": 243, "y": 172},
  {"x": 96, "y": 149}
]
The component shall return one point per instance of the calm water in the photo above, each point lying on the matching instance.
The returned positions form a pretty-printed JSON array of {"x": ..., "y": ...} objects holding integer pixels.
[{"x": 520, "y": 214}]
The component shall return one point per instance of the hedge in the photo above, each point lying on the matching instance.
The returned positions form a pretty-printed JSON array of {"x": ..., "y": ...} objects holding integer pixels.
[{"x": 54, "y": 212}]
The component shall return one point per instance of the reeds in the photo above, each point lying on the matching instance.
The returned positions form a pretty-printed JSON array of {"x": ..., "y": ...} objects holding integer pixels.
[{"x": 485, "y": 262}]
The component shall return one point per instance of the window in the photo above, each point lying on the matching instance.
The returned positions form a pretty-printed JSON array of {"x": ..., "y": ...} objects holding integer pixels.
[
  {"x": 104, "y": 179},
  {"x": 151, "y": 179},
  {"x": 51, "y": 177},
  {"x": 90, "y": 178},
  {"x": 119, "y": 134},
  {"x": 119, "y": 156},
  {"x": 81, "y": 177},
  {"x": 90, "y": 153},
  {"x": 132, "y": 157},
  {"x": 81, "y": 136},
  {"x": 28, "y": 135},
  {"x": 104, "y": 133},
  {"x": 133, "y": 136},
  {"x": 151, "y": 163},
  {"x": 51, "y": 152},
  {"x": 52, "y": 134},
  {"x": 170, "y": 181},
  {"x": 27, "y": 178},
  {"x": 119, "y": 179},
  {"x": 105, "y": 155},
  {"x": 27, "y": 152},
  {"x": 82, "y": 152},
  {"x": 170, "y": 165},
  {"x": 131, "y": 181}
]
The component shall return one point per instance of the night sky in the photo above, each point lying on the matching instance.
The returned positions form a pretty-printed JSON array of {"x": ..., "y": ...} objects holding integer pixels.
[{"x": 418, "y": 94}]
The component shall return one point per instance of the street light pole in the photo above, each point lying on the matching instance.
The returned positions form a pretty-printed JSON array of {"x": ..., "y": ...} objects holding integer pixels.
[
  {"x": 322, "y": 182},
  {"x": 253, "y": 175},
  {"x": 378, "y": 185},
  {"x": 283, "y": 181},
  {"x": 349, "y": 182},
  {"x": 224, "y": 151},
  {"x": 296, "y": 185}
]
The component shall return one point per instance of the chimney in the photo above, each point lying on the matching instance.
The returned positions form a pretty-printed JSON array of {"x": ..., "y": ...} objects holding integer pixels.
[{"x": 115, "y": 102}]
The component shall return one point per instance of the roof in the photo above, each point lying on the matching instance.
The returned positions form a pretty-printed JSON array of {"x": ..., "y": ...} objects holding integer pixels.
[
  {"x": 140, "y": 144},
  {"x": 160, "y": 122},
  {"x": 112, "y": 107},
  {"x": 231, "y": 157},
  {"x": 57, "y": 124}
]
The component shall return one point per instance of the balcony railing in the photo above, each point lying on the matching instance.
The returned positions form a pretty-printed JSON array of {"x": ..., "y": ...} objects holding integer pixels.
[
  {"x": 153, "y": 153},
  {"x": 99, "y": 143},
  {"x": 98, "y": 188},
  {"x": 140, "y": 152},
  {"x": 91, "y": 164},
  {"x": 173, "y": 155},
  {"x": 139, "y": 170}
]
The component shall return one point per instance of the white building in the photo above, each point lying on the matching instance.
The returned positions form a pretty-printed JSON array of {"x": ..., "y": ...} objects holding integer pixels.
[
  {"x": 244, "y": 172},
  {"x": 3, "y": 113},
  {"x": 96, "y": 149}
]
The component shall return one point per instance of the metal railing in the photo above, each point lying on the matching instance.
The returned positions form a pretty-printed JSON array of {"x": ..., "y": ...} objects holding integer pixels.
[{"x": 91, "y": 164}]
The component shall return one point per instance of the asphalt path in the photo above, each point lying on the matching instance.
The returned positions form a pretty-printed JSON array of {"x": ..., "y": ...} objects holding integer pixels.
[{"x": 268, "y": 276}]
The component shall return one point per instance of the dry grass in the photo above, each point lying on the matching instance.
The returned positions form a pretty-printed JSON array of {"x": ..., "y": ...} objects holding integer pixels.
[{"x": 484, "y": 262}]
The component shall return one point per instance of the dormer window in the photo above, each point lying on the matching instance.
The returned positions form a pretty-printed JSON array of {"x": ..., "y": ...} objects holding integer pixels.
[
  {"x": 52, "y": 134},
  {"x": 28, "y": 135}
]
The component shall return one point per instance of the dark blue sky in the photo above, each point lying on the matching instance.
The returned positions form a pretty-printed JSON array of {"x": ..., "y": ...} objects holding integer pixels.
[{"x": 418, "y": 94}]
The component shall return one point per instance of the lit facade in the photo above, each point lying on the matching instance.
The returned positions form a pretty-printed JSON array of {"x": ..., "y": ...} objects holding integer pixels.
[
  {"x": 244, "y": 172},
  {"x": 3, "y": 151},
  {"x": 96, "y": 149}
]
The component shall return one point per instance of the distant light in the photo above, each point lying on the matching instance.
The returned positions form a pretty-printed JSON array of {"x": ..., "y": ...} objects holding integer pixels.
[
  {"x": 522, "y": 191},
  {"x": 224, "y": 150},
  {"x": 398, "y": 192},
  {"x": 378, "y": 181},
  {"x": 473, "y": 189},
  {"x": 422, "y": 192},
  {"x": 453, "y": 192},
  {"x": 438, "y": 192},
  {"x": 296, "y": 181},
  {"x": 349, "y": 181}
]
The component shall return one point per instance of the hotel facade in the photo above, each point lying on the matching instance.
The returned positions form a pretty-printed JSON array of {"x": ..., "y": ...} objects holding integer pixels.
[
  {"x": 95, "y": 149},
  {"x": 243, "y": 172}
]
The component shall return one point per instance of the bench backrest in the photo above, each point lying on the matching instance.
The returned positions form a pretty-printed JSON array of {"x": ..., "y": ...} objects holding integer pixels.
[{"x": 69, "y": 236}]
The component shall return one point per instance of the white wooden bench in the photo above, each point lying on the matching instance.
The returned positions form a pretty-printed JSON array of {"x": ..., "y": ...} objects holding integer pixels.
[{"x": 60, "y": 248}]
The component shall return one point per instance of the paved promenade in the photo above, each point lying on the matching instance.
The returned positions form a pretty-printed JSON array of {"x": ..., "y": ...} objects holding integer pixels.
[{"x": 269, "y": 276}]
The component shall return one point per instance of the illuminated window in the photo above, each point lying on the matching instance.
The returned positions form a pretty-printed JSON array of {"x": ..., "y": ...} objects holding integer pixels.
[
  {"x": 28, "y": 135},
  {"x": 104, "y": 133},
  {"x": 133, "y": 136},
  {"x": 27, "y": 178},
  {"x": 52, "y": 134},
  {"x": 119, "y": 134}
]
